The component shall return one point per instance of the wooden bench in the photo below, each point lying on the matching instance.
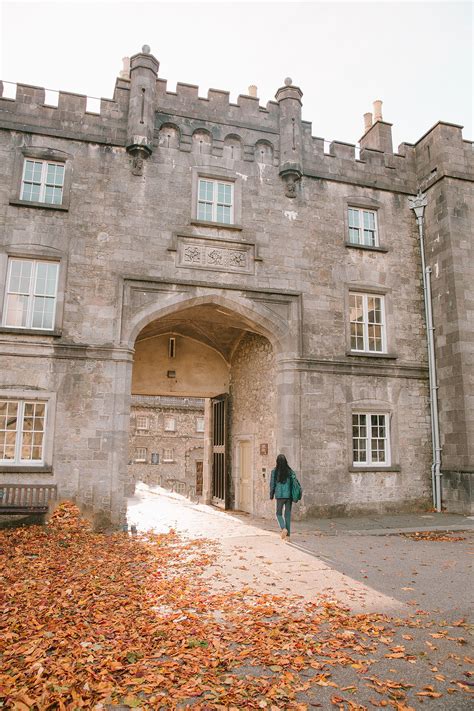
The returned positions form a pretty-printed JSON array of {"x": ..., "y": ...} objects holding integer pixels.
[{"x": 26, "y": 498}]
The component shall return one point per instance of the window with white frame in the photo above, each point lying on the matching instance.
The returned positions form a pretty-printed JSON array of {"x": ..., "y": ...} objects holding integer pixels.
[
  {"x": 199, "y": 424},
  {"x": 22, "y": 431},
  {"x": 215, "y": 201},
  {"x": 140, "y": 454},
  {"x": 31, "y": 294},
  {"x": 367, "y": 322},
  {"x": 370, "y": 439},
  {"x": 42, "y": 181},
  {"x": 363, "y": 227},
  {"x": 142, "y": 423},
  {"x": 170, "y": 424},
  {"x": 168, "y": 455}
]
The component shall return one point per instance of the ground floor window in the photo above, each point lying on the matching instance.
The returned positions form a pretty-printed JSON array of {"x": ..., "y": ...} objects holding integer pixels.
[
  {"x": 22, "y": 428},
  {"x": 370, "y": 439}
]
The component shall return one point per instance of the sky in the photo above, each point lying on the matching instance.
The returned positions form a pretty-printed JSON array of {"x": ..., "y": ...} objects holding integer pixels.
[{"x": 417, "y": 57}]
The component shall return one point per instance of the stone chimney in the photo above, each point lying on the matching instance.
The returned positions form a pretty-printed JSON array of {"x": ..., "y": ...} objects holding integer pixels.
[
  {"x": 378, "y": 135},
  {"x": 125, "y": 72},
  {"x": 253, "y": 91}
]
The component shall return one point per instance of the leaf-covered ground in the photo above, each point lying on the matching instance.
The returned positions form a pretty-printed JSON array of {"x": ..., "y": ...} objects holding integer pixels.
[{"x": 92, "y": 621}]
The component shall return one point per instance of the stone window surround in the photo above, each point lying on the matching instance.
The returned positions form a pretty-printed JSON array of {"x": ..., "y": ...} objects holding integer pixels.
[
  {"x": 365, "y": 203},
  {"x": 390, "y": 340},
  {"x": 49, "y": 398},
  {"x": 169, "y": 424},
  {"x": 168, "y": 456},
  {"x": 214, "y": 173},
  {"x": 374, "y": 407},
  {"x": 38, "y": 252},
  {"x": 139, "y": 458},
  {"x": 45, "y": 154}
]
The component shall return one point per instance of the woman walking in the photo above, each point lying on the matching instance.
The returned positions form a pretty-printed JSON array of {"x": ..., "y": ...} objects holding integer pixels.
[{"x": 280, "y": 488}]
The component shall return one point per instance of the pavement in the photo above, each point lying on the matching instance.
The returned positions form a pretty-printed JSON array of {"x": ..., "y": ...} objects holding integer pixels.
[
  {"x": 374, "y": 566},
  {"x": 369, "y": 563}
]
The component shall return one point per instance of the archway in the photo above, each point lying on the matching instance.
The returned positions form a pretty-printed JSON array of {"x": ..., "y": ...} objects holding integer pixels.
[{"x": 194, "y": 351}]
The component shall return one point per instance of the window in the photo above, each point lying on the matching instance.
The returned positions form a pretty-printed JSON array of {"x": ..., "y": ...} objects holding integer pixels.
[
  {"x": 200, "y": 424},
  {"x": 31, "y": 294},
  {"x": 370, "y": 439},
  {"x": 363, "y": 227},
  {"x": 168, "y": 455},
  {"x": 142, "y": 422},
  {"x": 42, "y": 181},
  {"x": 215, "y": 201},
  {"x": 367, "y": 323},
  {"x": 140, "y": 454},
  {"x": 22, "y": 429},
  {"x": 170, "y": 424}
]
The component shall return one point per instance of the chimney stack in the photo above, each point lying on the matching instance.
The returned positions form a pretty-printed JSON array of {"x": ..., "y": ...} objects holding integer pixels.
[
  {"x": 377, "y": 110},
  {"x": 125, "y": 73},
  {"x": 377, "y": 135},
  {"x": 253, "y": 91},
  {"x": 367, "y": 121}
]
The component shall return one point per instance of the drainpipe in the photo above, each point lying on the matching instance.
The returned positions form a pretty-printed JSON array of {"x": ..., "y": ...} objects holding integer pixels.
[{"x": 418, "y": 204}]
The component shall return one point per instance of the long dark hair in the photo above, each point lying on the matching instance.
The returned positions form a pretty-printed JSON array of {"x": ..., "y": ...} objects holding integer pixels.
[{"x": 282, "y": 469}]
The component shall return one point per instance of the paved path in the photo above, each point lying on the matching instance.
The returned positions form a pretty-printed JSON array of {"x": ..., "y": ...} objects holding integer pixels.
[{"x": 344, "y": 558}]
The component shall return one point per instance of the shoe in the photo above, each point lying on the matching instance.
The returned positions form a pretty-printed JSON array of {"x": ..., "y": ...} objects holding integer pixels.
[{"x": 284, "y": 533}]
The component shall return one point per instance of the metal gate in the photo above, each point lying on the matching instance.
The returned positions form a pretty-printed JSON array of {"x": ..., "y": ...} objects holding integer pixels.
[{"x": 220, "y": 485}]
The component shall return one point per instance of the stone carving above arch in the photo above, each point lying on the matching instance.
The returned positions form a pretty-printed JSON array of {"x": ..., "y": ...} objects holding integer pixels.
[
  {"x": 169, "y": 136},
  {"x": 264, "y": 152},
  {"x": 233, "y": 147},
  {"x": 202, "y": 142}
]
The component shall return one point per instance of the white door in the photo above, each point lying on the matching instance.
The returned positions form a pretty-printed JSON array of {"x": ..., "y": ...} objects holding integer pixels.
[{"x": 245, "y": 476}]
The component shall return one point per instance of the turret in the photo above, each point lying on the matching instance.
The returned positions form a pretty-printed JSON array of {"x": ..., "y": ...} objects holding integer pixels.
[
  {"x": 291, "y": 144},
  {"x": 143, "y": 74}
]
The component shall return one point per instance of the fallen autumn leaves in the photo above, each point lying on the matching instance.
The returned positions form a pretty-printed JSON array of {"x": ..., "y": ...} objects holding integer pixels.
[{"x": 91, "y": 620}]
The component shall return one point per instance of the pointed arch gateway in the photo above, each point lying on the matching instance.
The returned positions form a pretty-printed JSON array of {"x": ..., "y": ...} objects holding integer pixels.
[{"x": 227, "y": 349}]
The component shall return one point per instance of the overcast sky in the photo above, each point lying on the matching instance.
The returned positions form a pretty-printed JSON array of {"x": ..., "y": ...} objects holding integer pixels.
[{"x": 415, "y": 56}]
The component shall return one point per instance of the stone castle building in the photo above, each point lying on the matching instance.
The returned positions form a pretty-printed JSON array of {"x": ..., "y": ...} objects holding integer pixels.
[
  {"x": 173, "y": 245},
  {"x": 166, "y": 443}
]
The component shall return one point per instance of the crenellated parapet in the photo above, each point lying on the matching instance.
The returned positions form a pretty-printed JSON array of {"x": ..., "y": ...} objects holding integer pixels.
[{"x": 143, "y": 117}]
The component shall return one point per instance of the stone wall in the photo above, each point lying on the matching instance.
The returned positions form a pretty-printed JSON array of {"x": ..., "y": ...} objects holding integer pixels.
[
  {"x": 253, "y": 415},
  {"x": 133, "y": 256}
]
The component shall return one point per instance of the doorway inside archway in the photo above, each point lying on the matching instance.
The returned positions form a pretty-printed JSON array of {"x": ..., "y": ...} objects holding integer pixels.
[{"x": 204, "y": 385}]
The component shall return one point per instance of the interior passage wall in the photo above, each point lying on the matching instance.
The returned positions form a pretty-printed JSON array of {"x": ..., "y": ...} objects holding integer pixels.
[{"x": 253, "y": 415}]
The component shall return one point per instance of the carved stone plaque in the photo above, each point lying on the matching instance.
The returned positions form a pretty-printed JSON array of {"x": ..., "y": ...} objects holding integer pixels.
[{"x": 201, "y": 253}]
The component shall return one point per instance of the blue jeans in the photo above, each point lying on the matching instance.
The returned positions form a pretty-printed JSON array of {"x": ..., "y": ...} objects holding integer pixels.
[{"x": 284, "y": 522}]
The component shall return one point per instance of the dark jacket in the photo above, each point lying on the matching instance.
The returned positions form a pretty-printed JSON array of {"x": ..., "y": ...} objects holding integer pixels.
[{"x": 279, "y": 490}]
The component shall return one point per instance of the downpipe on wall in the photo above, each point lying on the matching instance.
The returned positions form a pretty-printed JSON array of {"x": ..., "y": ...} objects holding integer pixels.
[{"x": 418, "y": 205}]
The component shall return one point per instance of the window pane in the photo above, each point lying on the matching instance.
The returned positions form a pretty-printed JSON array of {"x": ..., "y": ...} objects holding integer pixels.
[
  {"x": 16, "y": 311},
  {"x": 369, "y": 220},
  {"x": 43, "y": 312},
  {"x": 8, "y": 429},
  {"x": 353, "y": 217},
  {"x": 223, "y": 214},
  {"x": 354, "y": 235},
  {"x": 20, "y": 276},
  {"x": 204, "y": 211},
  {"x": 45, "y": 284}
]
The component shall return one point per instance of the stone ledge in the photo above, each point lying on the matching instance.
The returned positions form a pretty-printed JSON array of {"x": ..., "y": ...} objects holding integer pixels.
[
  {"x": 366, "y": 247},
  {"x": 43, "y": 205},
  {"x": 22, "y": 469},
  {"x": 30, "y": 331},
  {"x": 378, "y": 470}
]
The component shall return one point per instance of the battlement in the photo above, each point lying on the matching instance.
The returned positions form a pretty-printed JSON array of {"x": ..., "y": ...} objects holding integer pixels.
[{"x": 258, "y": 132}]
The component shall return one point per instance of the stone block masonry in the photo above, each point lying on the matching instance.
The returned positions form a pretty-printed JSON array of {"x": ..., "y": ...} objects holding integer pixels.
[{"x": 227, "y": 230}]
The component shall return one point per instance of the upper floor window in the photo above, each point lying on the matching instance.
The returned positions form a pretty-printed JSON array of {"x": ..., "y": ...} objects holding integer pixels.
[
  {"x": 370, "y": 439},
  {"x": 199, "y": 424},
  {"x": 42, "y": 181},
  {"x": 170, "y": 424},
  {"x": 215, "y": 201},
  {"x": 30, "y": 300},
  {"x": 168, "y": 455},
  {"x": 22, "y": 430},
  {"x": 363, "y": 227},
  {"x": 142, "y": 422},
  {"x": 141, "y": 454},
  {"x": 367, "y": 323}
]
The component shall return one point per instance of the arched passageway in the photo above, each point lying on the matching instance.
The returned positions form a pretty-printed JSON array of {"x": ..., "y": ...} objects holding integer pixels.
[{"x": 210, "y": 353}]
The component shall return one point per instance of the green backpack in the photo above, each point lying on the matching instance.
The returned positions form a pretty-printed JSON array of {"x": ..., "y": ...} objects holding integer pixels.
[{"x": 296, "y": 489}]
